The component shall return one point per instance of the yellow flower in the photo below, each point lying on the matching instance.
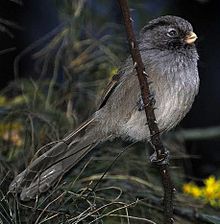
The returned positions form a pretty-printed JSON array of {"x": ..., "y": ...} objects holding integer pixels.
[
  {"x": 212, "y": 188},
  {"x": 210, "y": 192},
  {"x": 209, "y": 181},
  {"x": 196, "y": 192},
  {"x": 192, "y": 189}
]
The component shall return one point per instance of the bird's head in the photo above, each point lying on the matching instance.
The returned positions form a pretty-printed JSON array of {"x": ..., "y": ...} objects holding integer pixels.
[{"x": 168, "y": 33}]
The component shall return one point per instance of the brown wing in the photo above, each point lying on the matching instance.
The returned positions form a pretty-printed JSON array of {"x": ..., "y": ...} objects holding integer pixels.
[{"x": 109, "y": 89}]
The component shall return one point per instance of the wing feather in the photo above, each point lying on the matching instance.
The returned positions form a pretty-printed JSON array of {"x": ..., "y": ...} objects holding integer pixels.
[{"x": 109, "y": 89}]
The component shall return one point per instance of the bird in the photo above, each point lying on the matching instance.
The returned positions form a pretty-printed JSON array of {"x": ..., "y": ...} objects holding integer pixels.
[{"x": 167, "y": 47}]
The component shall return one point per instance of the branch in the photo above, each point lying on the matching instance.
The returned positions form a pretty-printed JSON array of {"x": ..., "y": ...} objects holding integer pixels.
[{"x": 161, "y": 155}]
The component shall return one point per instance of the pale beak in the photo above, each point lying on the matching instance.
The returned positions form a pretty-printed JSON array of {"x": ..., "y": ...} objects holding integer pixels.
[{"x": 190, "y": 38}]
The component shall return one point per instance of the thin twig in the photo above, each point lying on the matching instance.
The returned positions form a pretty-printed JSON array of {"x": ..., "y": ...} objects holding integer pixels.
[
  {"x": 109, "y": 168},
  {"x": 8, "y": 50},
  {"x": 134, "y": 218},
  {"x": 57, "y": 62},
  {"x": 115, "y": 210},
  {"x": 150, "y": 115},
  {"x": 121, "y": 177},
  {"x": 39, "y": 217},
  {"x": 33, "y": 46}
]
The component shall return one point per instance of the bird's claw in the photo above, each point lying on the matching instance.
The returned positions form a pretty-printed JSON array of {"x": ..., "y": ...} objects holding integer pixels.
[
  {"x": 141, "y": 104},
  {"x": 163, "y": 159}
]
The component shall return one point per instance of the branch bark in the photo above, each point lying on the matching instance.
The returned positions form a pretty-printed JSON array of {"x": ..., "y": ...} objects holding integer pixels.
[{"x": 161, "y": 154}]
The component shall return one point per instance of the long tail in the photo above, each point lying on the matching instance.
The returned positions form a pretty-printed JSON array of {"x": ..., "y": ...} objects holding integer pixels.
[{"x": 47, "y": 169}]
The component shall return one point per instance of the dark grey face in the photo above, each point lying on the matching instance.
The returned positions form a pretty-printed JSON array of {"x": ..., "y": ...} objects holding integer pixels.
[{"x": 168, "y": 32}]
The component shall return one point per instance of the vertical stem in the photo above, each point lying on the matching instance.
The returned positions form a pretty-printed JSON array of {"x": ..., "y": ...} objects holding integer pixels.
[
  {"x": 55, "y": 75},
  {"x": 150, "y": 115}
]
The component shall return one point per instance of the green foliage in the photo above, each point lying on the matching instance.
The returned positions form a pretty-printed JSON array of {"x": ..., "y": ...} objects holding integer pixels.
[{"x": 72, "y": 65}]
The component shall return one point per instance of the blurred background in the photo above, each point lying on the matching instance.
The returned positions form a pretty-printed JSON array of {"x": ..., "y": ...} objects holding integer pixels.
[{"x": 55, "y": 59}]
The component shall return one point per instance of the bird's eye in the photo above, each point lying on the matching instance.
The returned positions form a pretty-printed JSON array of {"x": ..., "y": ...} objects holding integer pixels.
[{"x": 172, "y": 33}]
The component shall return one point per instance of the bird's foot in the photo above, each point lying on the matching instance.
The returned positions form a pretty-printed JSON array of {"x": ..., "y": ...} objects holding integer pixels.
[
  {"x": 141, "y": 104},
  {"x": 162, "y": 159}
]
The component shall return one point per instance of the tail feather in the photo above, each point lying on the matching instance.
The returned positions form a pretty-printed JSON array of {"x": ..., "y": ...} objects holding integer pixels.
[{"x": 47, "y": 169}]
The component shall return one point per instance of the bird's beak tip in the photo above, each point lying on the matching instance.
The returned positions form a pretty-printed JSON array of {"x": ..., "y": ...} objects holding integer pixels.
[{"x": 191, "y": 38}]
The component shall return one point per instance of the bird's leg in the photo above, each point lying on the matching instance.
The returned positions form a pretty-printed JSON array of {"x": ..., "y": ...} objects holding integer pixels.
[
  {"x": 141, "y": 105},
  {"x": 160, "y": 159}
]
